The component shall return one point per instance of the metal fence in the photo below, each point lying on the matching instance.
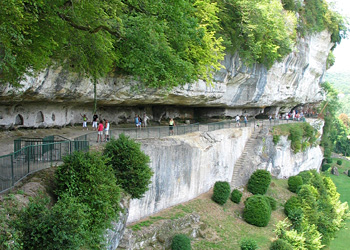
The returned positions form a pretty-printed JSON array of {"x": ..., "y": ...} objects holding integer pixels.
[
  {"x": 143, "y": 133},
  {"x": 34, "y": 157}
]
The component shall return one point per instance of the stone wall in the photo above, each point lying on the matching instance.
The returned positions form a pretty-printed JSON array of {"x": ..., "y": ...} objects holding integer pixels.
[{"x": 187, "y": 166}]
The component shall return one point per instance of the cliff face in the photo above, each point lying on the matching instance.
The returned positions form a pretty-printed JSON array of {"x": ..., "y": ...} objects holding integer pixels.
[{"x": 236, "y": 89}]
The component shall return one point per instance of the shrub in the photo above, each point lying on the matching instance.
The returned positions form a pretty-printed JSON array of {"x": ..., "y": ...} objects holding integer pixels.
[
  {"x": 259, "y": 182},
  {"x": 349, "y": 173},
  {"x": 296, "y": 136},
  {"x": 62, "y": 227},
  {"x": 325, "y": 167},
  {"x": 181, "y": 242},
  {"x": 86, "y": 177},
  {"x": 306, "y": 176},
  {"x": 339, "y": 162},
  {"x": 236, "y": 196},
  {"x": 130, "y": 164},
  {"x": 221, "y": 192},
  {"x": 249, "y": 244},
  {"x": 272, "y": 202},
  {"x": 294, "y": 182},
  {"x": 276, "y": 139},
  {"x": 281, "y": 245},
  {"x": 292, "y": 203},
  {"x": 257, "y": 211},
  {"x": 329, "y": 160}
]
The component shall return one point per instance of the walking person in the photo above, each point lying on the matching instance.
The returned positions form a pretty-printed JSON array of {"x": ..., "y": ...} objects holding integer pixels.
[
  {"x": 145, "y": 119},
  {"x": 100, "y": 131},
  {"x": 237, "y": 120},
  {"x": 85, "y": 119},
  {"x": 245, "y": 120},
  {"x": 137, "y": 121},
  {"x": 106, "y": 131},
  {"x": 171, "y": 126},
  {"x": 94, "y": 121}
]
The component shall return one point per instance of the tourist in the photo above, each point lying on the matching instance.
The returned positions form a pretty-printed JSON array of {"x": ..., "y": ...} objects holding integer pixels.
[
  {"x": 100, "y": 131},
  {"x": 270, "y": 118},
  {"x": 171, "y": 126},
  {"x": 137, "y": 121},
  {"x": 94, "y": 121},
  {"x": 84, "y": 121},
  {"x": 145, "y": 118},
  {"x": 106, "y": 131},
  {"x": 237, "y": 120},
  {"x": 245, "y": 120}
]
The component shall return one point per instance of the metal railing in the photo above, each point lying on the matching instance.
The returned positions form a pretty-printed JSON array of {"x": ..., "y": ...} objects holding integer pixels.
[
  {"x": 34, "y": 157},
  {"x": 144, "y": 132}
]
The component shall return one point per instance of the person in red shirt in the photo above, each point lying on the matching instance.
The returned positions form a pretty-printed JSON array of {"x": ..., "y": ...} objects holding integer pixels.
[{"x": 100, "y": 131}]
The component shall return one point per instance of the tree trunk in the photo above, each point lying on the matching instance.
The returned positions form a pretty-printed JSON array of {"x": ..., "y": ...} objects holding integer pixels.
[{"x": 95, "y": 97}]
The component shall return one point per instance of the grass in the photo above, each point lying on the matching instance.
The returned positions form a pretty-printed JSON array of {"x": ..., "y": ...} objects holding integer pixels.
[{"x": 343, "y": 186}]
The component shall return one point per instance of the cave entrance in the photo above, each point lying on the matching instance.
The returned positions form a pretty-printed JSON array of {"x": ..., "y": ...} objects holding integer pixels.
[
  {"x": 19, "y": 120},
  {"x": 39, "y": 117}
]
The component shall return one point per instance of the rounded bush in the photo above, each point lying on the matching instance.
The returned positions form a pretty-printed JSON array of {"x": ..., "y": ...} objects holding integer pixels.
[
  {"x": 281, "y": 245},
  {"x": 181, "y": 242},
  {"x": 221, "y": 192},
  {"x": 306, "y": 176},
  {"x": 236, "y": 196},
  {"x": 249, "y": 244},
  {"x": 292, "y": 203},
  {"x": 325, "y": 167},
  {"x": 259, "y": 182},
  {"x": 272, "y": 202},
  {"x": 349, "y": 173},
  {"x": 130, "y": 164},
  {"x": 329, "y": 160},
  {"x": 294, "y": 182},
  {"x": 339, "y": 162},
  {"x": 257, "y": 211}
]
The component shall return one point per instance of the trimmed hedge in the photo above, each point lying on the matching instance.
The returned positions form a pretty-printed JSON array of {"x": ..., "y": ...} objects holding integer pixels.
[
  {"x": 259, "y": 182},
  {"x": 329, "y": 160},
  {"x": 281, "y": 245},
  {"x": 249, "y": 244},
  {"x": 292, "y": 203},
  {"x": 236, "y": 196},
  {"x": 272, "y": 202},
  {"x": 306, "y": 176},
  {"x": 221, "y": 192},
  {"x": 349, "y": 172},
  {"x": 257, "y": 211},
  {"x": 325, "y": 167},
  {"x": 339, "y": 162},
  {"x": 294, "y": 182},
  {"x": 181, "y": 242}
]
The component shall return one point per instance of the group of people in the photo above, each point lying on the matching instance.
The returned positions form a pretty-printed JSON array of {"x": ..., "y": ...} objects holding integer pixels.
[
  {"x": 102, "y": 127},
  {"x": 238, "y": 120},
  {"x": 141, "y": 122}
]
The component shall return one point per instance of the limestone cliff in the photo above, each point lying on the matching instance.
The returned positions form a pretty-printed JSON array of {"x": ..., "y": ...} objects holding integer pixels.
[{"x": 236, "y": 89}]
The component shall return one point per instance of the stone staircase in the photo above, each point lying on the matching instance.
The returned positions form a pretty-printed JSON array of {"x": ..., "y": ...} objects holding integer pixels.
[{"x": 240, "y": 167}]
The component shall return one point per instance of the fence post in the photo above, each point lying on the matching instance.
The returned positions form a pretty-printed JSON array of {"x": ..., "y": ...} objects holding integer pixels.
[
  {"x": 28, "y": 155},
  {"x": 12, "y": 171}
]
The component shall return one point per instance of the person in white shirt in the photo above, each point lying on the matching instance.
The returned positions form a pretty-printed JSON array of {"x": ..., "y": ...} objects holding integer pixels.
[{"x": 106, "y": 130}]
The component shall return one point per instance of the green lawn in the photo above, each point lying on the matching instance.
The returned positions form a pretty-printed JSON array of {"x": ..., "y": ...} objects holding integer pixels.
[{"x": 342, "y": 182}]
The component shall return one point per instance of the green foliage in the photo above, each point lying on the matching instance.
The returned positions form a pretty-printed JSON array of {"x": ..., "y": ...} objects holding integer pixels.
[
  {"x": 325, "y": 167},
  {"x": 257, "y": 29},
  {"x": 272, "y": 202},
  {"x": 236, "y": 196},
  {"x": 257, "y": 211},
  {"x": 276, "y": 139},
  {"x": 306, "y": 176},
  {"x": 349, "y": 173},
  {"x": 181, "y": 242},
  {"x": 281, "y": 245},
  {"x": 339, "y": 162},
  {"x": 221, "y": 192},
  {"x": 249, "y": 244},
  {"x": 292, "y": 203},
  {"x": 330, "y": 60},
  {"x": 130, "y": 164},
  {"x": 259, "y": 182},
  {"x": 87, "y": 178},
  {"x": 294, "y": 182},
  {"x": 62, "y": 227},
  {"x": 329, "y": 160}
]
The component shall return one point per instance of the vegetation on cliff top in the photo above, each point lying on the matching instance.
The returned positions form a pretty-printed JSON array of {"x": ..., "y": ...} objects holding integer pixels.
[{"x": 162, "y": 43}]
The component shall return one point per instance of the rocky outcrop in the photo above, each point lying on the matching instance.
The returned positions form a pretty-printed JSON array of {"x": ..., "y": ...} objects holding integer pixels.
[{"x": 60, "y": 97}]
